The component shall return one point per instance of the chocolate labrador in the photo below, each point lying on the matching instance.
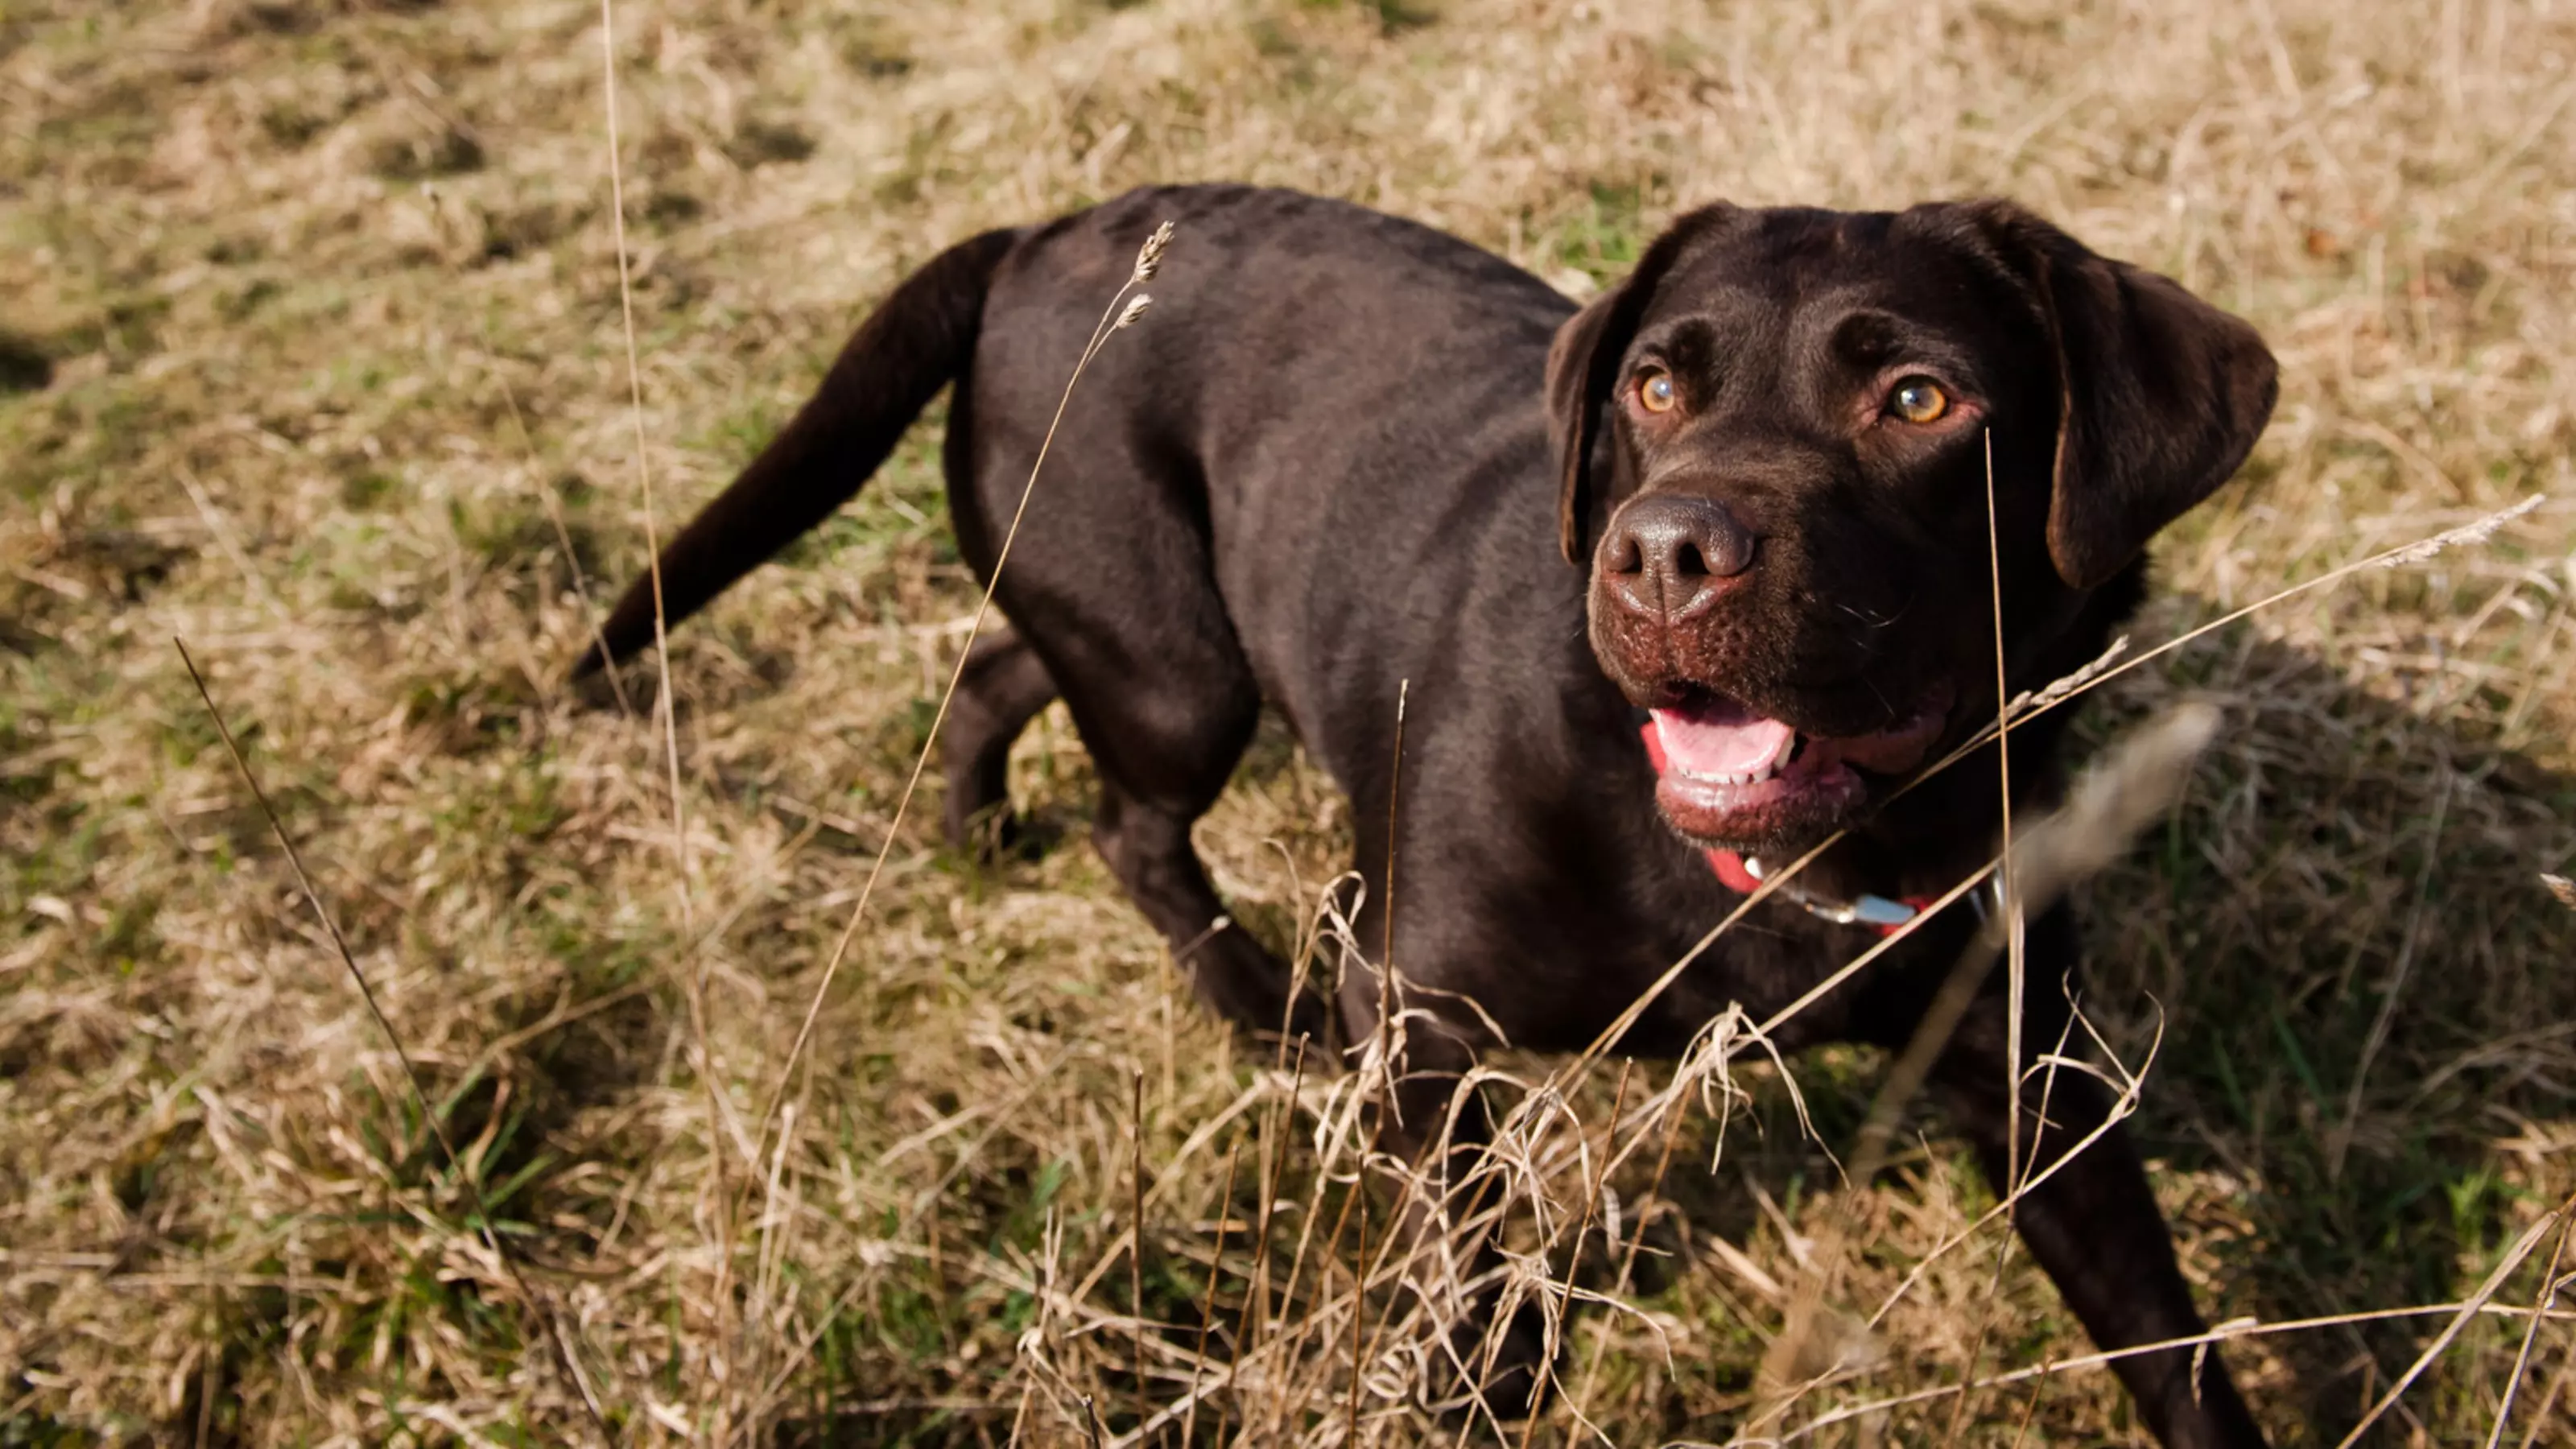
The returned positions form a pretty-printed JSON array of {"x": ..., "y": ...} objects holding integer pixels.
[{"x": 1682, "y": 582}]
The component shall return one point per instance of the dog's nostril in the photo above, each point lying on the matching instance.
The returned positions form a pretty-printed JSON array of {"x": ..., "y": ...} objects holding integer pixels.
[{"x": 1668, "y": 553}]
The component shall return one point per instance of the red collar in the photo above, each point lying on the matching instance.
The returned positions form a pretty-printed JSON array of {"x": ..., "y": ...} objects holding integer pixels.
[{"x": 1731, "y": 872}]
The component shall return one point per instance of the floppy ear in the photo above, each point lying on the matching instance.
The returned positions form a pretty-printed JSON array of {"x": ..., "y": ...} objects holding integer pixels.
[
  {"x": 2161, "y": 395},
  {"x": 1574, "y": 400},
  {"x": 1583, "y": 364}
]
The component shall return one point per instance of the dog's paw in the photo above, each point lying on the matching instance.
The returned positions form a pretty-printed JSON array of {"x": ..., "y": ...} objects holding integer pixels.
[
  {"x": 1241, "y": 981},
  {"x": 1299, "y": 1027},
  {"x": 1002, "y": 835},
  {"x": 595, "y": 686},
  {"x": 1310, "y": 1022},
  {"x": 1509, "y": 1366}
]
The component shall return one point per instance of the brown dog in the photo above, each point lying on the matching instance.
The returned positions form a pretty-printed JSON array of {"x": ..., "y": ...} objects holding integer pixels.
[{"x": 1345, "y": 451}]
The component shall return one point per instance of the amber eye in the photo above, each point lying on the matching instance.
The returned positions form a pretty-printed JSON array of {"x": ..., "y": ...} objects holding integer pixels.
[
  {"x": 1919, "y": 400},
  {"x": 1655, "y": 392}
]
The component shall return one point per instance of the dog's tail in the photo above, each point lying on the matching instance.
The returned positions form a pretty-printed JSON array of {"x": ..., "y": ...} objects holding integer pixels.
[{"x": 916, "y": 342}]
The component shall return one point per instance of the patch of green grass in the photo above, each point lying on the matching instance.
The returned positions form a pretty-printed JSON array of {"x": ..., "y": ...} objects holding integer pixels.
[{"x": 1602, "y": 235}]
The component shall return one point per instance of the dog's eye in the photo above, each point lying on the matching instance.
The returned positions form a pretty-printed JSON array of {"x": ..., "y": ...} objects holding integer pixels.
[
  {"x": 1919, "y": 400},
  {"x": 1655, "y": 391}
]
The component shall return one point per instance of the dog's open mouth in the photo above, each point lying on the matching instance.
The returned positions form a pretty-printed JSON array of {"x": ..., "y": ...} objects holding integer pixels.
[{"x": 1729, "y": 776}]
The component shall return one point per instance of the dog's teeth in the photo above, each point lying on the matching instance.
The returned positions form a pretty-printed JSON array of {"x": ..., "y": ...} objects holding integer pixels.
[
  {"x": 1732, "y": 777},
  {"x": 1788, "y": 747}
]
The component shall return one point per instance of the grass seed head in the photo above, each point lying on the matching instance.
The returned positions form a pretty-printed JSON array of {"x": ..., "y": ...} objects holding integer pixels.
[{"x": 1149, "y": 257}]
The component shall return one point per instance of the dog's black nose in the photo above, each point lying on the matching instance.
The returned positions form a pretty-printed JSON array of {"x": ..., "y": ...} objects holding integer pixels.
[{"x": 1668, "y": 557}]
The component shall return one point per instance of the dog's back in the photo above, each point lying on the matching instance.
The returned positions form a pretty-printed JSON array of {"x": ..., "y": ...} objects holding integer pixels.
[{"x": 1327, "y": 415}]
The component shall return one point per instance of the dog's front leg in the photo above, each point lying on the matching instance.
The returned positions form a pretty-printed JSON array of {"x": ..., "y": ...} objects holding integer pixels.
[
  {"x": 1429, "y": 1118},
  {"x": 2090, "y": 1219}
]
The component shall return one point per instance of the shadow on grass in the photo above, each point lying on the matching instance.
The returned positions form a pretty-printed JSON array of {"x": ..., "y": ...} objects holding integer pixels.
[
  {"x": 2370, "y": 1022},
  {"x": 2369, "y": 1027}
]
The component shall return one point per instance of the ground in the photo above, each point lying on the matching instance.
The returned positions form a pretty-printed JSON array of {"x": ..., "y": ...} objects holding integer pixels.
[{"x": 313, "y": 356}]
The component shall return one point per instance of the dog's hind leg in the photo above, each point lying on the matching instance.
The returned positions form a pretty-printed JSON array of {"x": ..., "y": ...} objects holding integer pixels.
[
  {"x": 1146, "y": 841},
  {"x": 1133, "y": 632},
  {"x": 1171, "y": 745},
  {"x": 1002, "y": 688}
]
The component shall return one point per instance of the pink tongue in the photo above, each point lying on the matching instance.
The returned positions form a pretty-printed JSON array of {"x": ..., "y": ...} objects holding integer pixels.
[{"x": 1719, "y": 739}]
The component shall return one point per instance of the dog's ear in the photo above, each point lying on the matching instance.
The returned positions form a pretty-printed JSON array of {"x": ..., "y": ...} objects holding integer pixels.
[
  {"x": 1583, "y": 365},
  {"x": 1588, "y": 343},
  {"x": 2160, "y": 395}
]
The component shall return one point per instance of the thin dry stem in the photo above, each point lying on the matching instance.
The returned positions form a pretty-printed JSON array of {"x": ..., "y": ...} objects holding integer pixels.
[
  {"x": 2468, "y": 1310},
  {"x": 983, "y": 607},
  {"x": 556, "y": 1335},
  {"x": 2540, "y": 1306},
  {"x": 695, "y": 982},
  {"x": 2224, "y": 1333},
  {"x": 2008, "y": 897}
]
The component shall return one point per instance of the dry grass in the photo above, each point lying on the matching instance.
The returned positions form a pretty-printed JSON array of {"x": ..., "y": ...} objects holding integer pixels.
[{"x": 310, "y": 329}]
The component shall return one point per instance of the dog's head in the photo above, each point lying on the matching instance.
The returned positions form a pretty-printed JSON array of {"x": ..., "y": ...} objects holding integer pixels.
[{"x": 1778, "y": 440}]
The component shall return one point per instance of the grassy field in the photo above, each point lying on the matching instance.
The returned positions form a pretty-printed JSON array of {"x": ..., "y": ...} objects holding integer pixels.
[{"x": 312, "y": 354}]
